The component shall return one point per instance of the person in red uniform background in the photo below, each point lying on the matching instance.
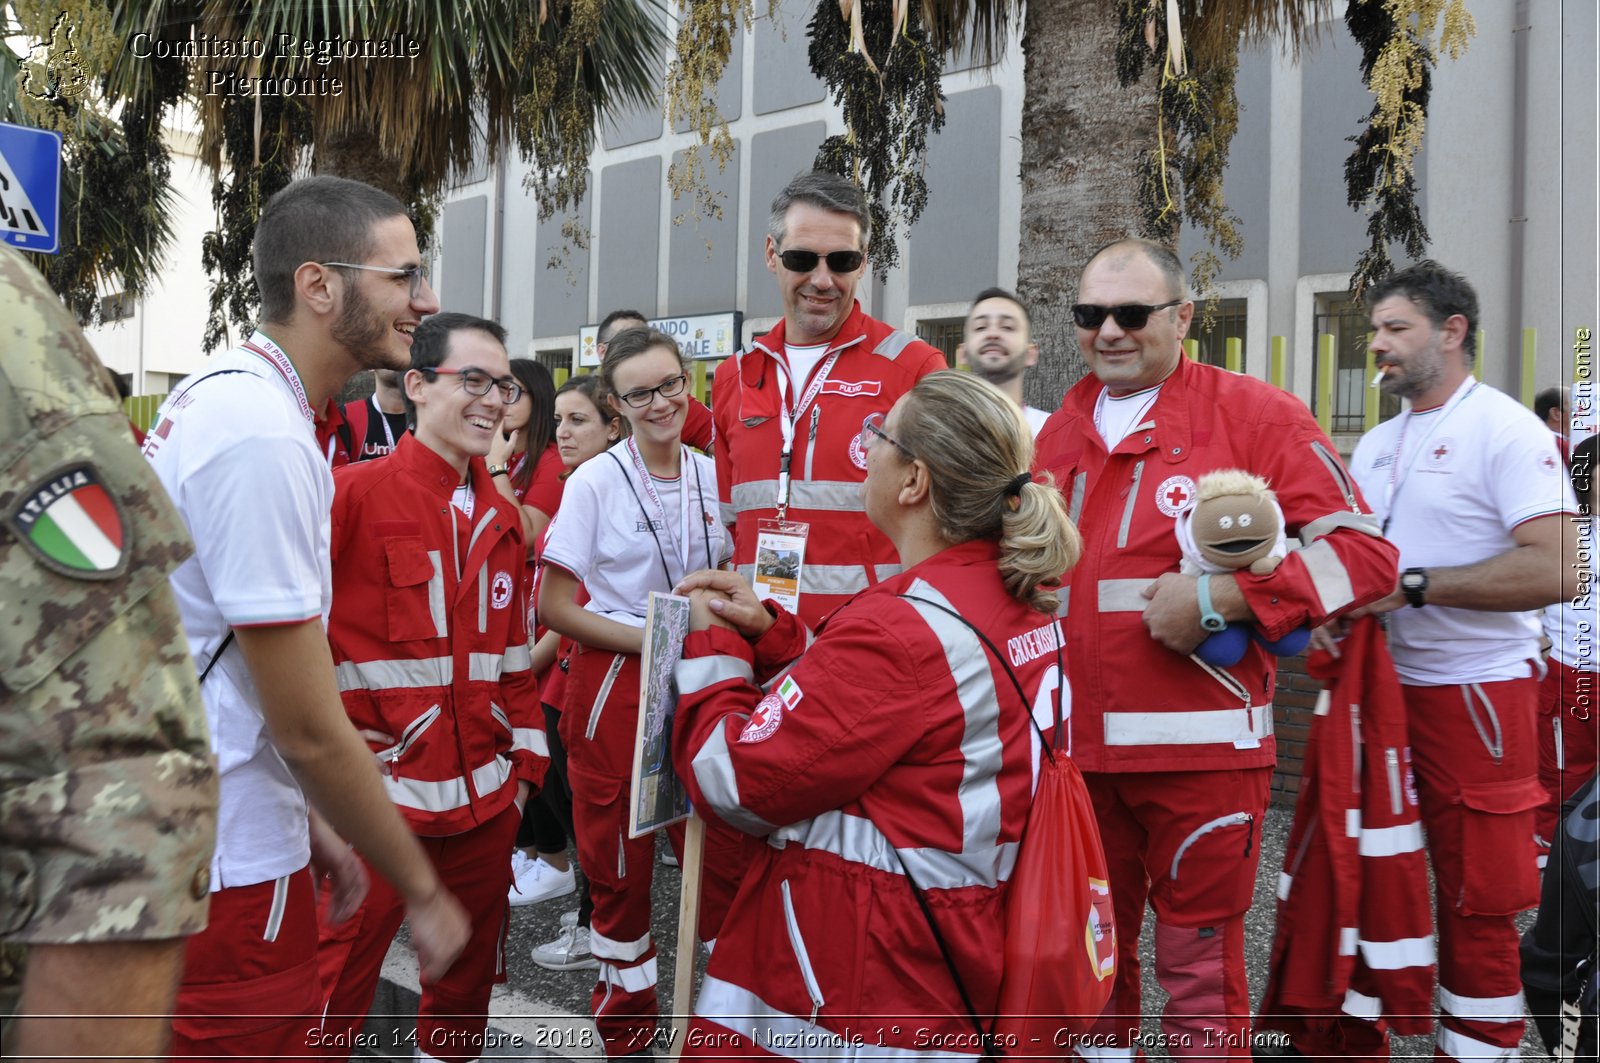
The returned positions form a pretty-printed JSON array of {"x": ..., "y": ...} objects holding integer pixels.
[
  {"x": 789, "y": 411},
  {"x": 1178, "y": 756}
]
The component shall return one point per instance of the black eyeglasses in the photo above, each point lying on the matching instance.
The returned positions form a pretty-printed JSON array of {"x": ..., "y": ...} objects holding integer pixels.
[
  {"x": 872, "y": 426},
  {"x": 415, "y": 274},
  {"x": 806, "y": 261},
  {"x": 1130, "y": 316},
  {"x": 477, "y": 382},
  {"x": 645, "y": 396}
]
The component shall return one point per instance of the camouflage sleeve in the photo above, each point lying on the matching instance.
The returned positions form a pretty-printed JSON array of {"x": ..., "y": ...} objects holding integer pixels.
[{"x": 107, "y": 786}]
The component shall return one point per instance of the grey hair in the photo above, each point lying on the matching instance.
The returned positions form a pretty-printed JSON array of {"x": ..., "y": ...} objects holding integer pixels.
[
  {"x": 1158, "y": 255},
  {"x": 825, "y": 191}
]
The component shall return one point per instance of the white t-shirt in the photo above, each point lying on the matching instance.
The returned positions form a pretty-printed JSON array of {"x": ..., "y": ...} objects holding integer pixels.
[
  {"x": 621, "y": 546},
  {"x": 803, "y": 362},
  {"x": 1035, "y": 418},
  {"x": 238, "y": 454},
  {"x": 1117, "y": 415},
  {"x": 1573, "y": 626},
  {"x": 1450, "y": 485}
]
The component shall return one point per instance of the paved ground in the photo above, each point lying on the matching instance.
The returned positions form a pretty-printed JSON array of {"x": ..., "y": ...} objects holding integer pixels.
[{"x": 544, "y": 1014}]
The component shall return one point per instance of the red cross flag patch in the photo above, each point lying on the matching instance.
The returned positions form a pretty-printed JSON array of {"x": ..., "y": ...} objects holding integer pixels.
[
  {"x": 1174, "y": 495},
  {"x": 764, "y": 722},
  {"x": 72, "y": 524}
]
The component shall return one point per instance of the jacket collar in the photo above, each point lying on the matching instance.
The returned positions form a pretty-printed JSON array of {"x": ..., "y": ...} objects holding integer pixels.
[
  {"x": 437, "y": 475},
  {"x": 1173, "y": 433},
  {"x": 851, "y": 332}
]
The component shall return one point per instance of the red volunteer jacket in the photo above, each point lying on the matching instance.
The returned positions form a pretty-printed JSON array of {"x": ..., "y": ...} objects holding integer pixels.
[
  {"x": 896, "y": 730},
  {"x": 1355, "y": 930},
  {"x": 1138, "y": 706},
  {"x": 429, "y": 636},
  {"x": 844, "y": 552}
]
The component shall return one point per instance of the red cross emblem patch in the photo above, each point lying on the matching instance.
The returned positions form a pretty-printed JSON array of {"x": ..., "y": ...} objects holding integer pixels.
[{"x": 1174, "y": 495}]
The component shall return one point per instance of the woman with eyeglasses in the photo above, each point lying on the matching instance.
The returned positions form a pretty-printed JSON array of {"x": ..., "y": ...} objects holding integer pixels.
[
  {"x": 890, "y": 769},
  {"x": 635, "y": 519}
]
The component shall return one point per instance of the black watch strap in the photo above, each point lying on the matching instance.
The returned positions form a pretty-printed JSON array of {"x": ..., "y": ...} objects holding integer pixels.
[{"x": 1414, "y": 585}]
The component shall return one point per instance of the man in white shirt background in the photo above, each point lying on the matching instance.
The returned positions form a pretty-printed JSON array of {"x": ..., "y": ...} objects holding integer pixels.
[{"x": 998, "y": 346}]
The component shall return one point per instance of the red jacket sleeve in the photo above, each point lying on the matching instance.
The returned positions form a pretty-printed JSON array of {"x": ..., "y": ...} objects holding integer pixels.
[{"x": 699, "y": 429}]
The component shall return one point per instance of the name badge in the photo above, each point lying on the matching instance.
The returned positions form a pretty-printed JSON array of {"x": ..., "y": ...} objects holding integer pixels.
[{"x": 780, "y": 554}]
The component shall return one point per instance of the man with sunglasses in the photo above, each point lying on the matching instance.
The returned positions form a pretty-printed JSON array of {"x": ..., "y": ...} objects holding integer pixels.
[
  {"x": 788, "y": 412},
  {"x": 429, "y": 634},
  {"x": 236, "y": 449},
  {"x": 1178, "y": 756}
]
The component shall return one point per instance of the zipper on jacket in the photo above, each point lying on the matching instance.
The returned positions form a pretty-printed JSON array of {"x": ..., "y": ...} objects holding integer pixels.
[
  {"x": 1391, "y": 764},
  {"x": 800, "y": 954},
  {"x": 1127, "y": 510},
  {"x": 811, "y": 436},
  {"x": 408, "y": 738},
  {"x": 600, "y": 698},
  {"x": 1355, "y": 748},
  {"x": 1496, "y": 744},
  {"x": 1233, "y": 819},
  {"x": 1340, "y": 476}
]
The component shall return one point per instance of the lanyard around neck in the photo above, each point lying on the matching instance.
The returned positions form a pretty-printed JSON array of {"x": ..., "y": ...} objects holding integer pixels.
[
  {"x": 1397, "y": 479},
  {"x": 787, "y": 419},
  {"x": 260, "y": 344}
]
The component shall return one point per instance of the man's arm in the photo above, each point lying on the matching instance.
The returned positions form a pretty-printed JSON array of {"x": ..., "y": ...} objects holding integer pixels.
[
  {"x": 97, "y": 999},
  {"x": 293, "y": 671},
  {"x": 1536, "y": 572}
]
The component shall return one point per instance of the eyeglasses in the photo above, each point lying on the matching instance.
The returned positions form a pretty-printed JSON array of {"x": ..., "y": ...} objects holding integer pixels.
[
  {"x": 416, "y": 274},
  {"x": 645, "y": 396},
  {"x": 873, "y": 426},
  {"x": 477, "y": 382},
  {"x": 1130, "y": 316},
  {"x": 806, "y": 261}
]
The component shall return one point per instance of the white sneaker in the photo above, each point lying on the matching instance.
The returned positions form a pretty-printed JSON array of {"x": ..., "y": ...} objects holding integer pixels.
[
  {"x": 569, "y": 951},
  {"x": 533, "y": 880}
]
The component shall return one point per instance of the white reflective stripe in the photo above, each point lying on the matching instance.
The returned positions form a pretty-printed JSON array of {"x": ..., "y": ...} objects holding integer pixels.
[
  {"x": 1105, "y": 1052},
  {"x": 1391, "y": 841},
  {"x": 829, "y": 496},
  {"x": 1494, "y": 1009},
  {"x": 979, "y": 790},
  {"x": 447, "y": 794},
  {"x": 1541, "y": 860},
  {"x": 630, "y": 979},
  {"x": 695, "y": 674},
  {"x": 483, "y": 526},
  {"x": 419, "y": 672},
  {"x": 483, "y": 600},
  {"x": 605, "y": 948},
  {"x": 1458, "y": 1045},
  {"x": 1349, "y": 937},
  {"x": 1064, "y": 598},
  {"x": 1361, "y": 522},
  {"x": 727, "y": 512},
  {"x": 1362, "y": 1006},
  {"x": 858, "y": 840},
  {"x": 1075, "y": 507},
  {"x": 1328, "y": 575},
  {"x": 790, "y": 1036},
  {"x": 1324, "y": 703},
  {"x": 516, "y": 659},
  {"x": 280, "y": 901},
  {"x": 835, "y": 580},
  {"x": 1123, "y": 595},
  {"x": 1352, "y": 823},
  {"x": 713, "y": 771},
  {"x": 533, "y": 739},
  {"x": 1187, "y": 728},
  {"x": 436, "y": 610},
  {"x": 892, "y": 344},
  {"x": 1285, "y": 880},
  {"x": 1398, "y": 954}
]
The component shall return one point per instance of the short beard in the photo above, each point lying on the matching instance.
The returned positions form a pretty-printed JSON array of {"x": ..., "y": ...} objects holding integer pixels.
[
  {"x": 997, "y": 376},
  {"x": 357, "y": 332},
  {"x": 1419, "y": 377}
]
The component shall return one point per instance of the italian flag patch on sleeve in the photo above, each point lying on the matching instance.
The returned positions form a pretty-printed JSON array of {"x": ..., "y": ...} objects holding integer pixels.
[{"x": 73, "y": 524}]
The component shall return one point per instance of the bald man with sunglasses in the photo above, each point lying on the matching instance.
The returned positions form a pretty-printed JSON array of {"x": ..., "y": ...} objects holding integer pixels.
[
  {"x": 788, "y": 412},
  {"x": 1178, "y": 756}
]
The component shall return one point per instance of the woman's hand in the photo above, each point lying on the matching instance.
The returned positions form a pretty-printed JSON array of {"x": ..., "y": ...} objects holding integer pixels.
[
  {"x": 727, "y": 599},
  {"x": 502, "y": 448}
]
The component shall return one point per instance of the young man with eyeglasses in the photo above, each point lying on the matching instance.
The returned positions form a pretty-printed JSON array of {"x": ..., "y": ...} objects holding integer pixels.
[
  {"x": 1178, "y": 756},
  {"x": 788, "y": 412},
  {"x": 429, "y": 633},
  {"x": 235, "y": 447}
]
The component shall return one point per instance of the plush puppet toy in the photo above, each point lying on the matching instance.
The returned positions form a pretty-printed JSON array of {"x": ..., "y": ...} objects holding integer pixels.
[{"x": 1235, "y": 524}]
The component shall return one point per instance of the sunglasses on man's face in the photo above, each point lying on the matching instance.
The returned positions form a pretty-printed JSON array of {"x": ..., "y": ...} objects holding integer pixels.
[
  {"x": 1129, "y": 316},
  {"x": 806, "y": 261}
]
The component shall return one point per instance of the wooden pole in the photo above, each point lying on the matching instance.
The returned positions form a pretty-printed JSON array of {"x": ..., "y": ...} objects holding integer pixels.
[{"x": 694, "y": 843}]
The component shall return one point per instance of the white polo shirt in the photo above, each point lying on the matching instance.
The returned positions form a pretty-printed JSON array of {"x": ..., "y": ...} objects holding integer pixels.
[
  {"x": 610, "y": 533},
  {"x": 236, "y": 449},
  {"x": 1450, "y": 485}
]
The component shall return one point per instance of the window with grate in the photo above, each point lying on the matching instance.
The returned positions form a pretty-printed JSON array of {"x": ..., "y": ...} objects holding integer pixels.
[
  {"x": 558, "y": 360},
  {"x": 1345, "y": 318},
  {"x": 944, "y": 333},
  {"x": 1227, "y": 322}
]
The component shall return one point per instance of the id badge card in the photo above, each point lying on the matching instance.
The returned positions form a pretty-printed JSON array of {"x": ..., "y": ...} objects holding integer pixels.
[{"x": 780, "y": 553}]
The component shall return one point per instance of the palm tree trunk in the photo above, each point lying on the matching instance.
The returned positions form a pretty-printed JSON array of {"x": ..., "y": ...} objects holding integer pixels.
[
  {"x": 1083, "y": 138},
  {"x": 356, "y": 154}
]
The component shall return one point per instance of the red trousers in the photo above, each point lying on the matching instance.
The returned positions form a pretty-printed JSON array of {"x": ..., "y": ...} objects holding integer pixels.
[
  {"x": 1569, "y": 740},
  {"x": 250, "y": 978},
  {"x": 1189, "y": 843},
  {"x": 598, "y": 728},
  {"x": 454, "y": 1011},
  {"x": 1475, "y": 761}
]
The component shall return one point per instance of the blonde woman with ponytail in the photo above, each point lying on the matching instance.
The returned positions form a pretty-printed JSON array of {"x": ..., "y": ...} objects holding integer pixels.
[{"x": 891, "y": 766}]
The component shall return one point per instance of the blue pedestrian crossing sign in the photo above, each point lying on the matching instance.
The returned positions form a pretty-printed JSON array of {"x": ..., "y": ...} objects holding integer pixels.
[{"x": 30, "y": 188}]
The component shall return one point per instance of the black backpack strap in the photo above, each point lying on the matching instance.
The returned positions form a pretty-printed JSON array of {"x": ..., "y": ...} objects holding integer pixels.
[{"x": 215, "y": 657}]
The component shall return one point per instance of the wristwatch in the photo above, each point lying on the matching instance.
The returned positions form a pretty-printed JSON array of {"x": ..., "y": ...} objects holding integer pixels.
[
  {"x": 1414, "y": 584},
  {"x": 498, "y": 470},
  {"x": 1210, "y": 619}
]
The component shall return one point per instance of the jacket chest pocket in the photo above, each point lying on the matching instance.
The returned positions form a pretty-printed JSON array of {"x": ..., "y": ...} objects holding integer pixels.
[{"x": 414, "y": 594}]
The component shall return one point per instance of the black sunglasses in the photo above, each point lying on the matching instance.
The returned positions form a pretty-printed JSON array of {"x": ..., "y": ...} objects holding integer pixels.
[
  {"x": 806, "y": 261},
  {"x": 1130, "y": 316}
]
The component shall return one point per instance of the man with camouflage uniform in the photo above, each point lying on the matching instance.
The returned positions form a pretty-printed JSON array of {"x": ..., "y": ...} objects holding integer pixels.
[{"x": 108, "y": 795}]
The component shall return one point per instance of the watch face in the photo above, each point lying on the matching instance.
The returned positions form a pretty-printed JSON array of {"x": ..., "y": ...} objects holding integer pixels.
[{"x": 1412, "y": 581}]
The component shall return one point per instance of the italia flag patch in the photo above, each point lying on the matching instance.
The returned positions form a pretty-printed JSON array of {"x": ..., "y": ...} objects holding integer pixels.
[{"x": 73, "y": 524}]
